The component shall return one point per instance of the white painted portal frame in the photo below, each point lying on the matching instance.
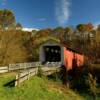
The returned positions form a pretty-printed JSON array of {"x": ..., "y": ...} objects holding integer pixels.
[{"x": 42, "y": 51}]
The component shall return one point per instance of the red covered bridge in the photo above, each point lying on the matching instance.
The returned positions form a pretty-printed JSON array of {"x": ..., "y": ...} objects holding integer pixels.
[{"x": 52, "y": 51}]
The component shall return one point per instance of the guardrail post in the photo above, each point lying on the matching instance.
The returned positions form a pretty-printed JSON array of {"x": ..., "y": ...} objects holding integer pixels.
[
  {"x": 16, "y": 81},
  {"x": 18, "y": 78},
  {"x": 28, "y": 76},
  {"x": 8, "y": 69}
]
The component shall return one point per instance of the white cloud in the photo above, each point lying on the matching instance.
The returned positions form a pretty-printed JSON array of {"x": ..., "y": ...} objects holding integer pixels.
[
  {"x": 96, "y": 25},
  {"x": 62, "y": 11},
  {"x": 29, "y": 29}
]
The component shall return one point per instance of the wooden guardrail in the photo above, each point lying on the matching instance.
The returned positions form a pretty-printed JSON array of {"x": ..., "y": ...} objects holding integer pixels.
[
  {"x": 4, "y": 69},
  {"x": 22, "y": 66},
  {"x": 18, "y": 66},
  {"x": 26, "y": 70},
  {"x": 26, "y": 74}
]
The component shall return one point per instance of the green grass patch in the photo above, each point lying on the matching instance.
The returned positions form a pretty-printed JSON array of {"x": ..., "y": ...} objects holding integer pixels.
[{"x": 35, "y": 89}]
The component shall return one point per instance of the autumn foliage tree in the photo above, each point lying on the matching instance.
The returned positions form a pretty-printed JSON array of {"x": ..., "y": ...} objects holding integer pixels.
[
  {"x": 12, "y": 47},
  {"x": 18, "y": 26},
  {"x": 7, "y": 19}
]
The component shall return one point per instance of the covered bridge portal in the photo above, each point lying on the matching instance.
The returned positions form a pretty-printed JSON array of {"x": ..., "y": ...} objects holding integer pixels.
[
  {"x": 54, "y": 52},
  {"x": 51, "y": 51}
]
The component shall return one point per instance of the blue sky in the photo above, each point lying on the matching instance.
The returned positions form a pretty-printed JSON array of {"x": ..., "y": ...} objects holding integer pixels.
[{"x": 53, "y": 13}]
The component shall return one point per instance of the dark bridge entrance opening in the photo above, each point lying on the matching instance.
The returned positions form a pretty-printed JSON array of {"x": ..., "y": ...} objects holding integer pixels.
[{"x": 52, "y": 53}]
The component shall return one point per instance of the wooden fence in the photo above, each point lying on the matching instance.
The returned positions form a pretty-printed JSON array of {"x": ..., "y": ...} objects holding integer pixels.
[
  {"x": 22, "y": 66},
  {"x": 26, "y": 74},
  {"x": 26, "y": 70},
  {"x": 4, "y": 69}
]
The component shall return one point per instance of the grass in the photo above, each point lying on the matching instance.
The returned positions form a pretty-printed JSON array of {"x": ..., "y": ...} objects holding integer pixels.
[{"x": 35, "y": 89}]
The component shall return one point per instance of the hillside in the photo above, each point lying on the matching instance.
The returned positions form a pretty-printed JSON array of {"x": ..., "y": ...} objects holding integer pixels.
[{"x": 35, "y": 89}]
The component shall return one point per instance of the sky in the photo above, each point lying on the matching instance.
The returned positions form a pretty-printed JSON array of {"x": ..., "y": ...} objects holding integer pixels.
[{"x": 53, "y": 13}]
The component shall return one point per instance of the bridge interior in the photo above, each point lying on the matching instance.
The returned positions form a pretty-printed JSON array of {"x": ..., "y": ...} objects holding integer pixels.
[{"x": 52, "y": 53}]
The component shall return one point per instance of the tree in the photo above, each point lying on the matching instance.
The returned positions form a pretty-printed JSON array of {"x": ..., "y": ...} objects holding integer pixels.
[
  {"x": 34, "y": 32},
  {"x": 7, "y": 19},
  {"x": 18, "y": 26},
  {"x": 89, "y": 27},
  {"x": 83, "y": 36},
  {"x": 59, "y": 32},
  {"x": 81, "y": 27},
  {"x": 12, "y": 49},
  {"x": 85, "y": 30},
  {"x": 68, "y": 34},
  {"x": 98, "y": 35},
  {"x": 43, "y": 33}
]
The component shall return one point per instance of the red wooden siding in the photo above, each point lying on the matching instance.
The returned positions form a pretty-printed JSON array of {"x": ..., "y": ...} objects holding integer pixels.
[{"x": 70, "y": 56}]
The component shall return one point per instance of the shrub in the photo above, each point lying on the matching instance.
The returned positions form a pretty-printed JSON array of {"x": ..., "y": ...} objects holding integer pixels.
[
  {"x": 40, "y": 72},
  {"x": 91, "y": 82}
]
